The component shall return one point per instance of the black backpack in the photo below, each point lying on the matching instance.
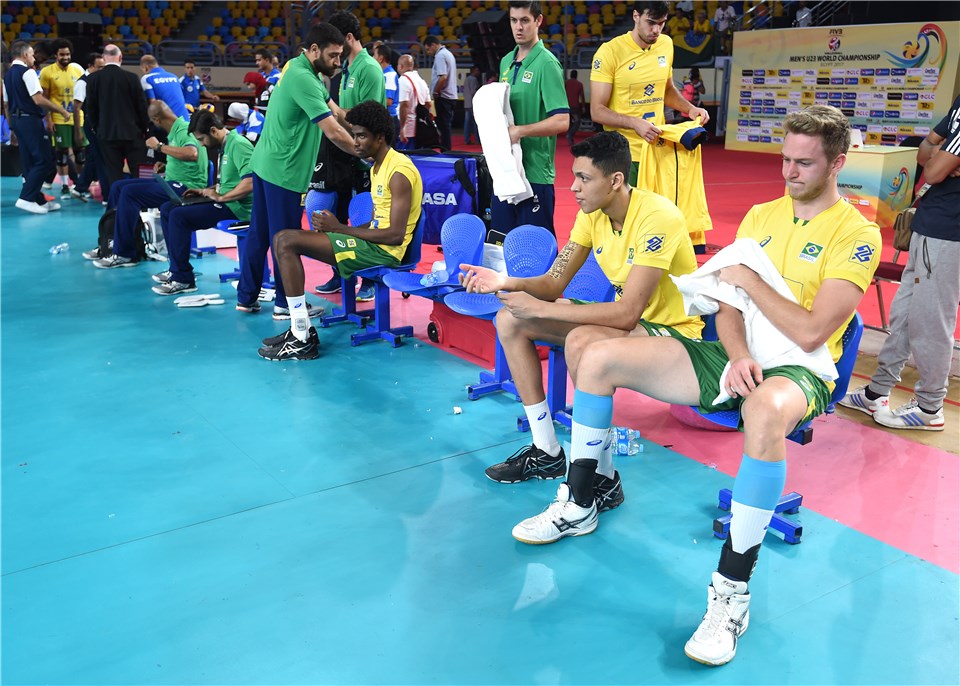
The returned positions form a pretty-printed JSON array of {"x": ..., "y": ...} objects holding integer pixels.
[
  {"x": 335, "y": 170},
  {"x": 426, "y": 133},
  {"x": 105, "y": 238}
]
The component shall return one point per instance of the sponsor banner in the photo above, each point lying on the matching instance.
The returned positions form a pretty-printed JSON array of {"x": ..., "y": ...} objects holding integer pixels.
[{"x": 902, "y": 76}]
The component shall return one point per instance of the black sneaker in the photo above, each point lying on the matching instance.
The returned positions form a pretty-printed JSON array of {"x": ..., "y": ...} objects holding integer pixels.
[
  {"x": 528, "y": 463},
  {"x": 292, "y": 348},
  {"x": 607, "y": 492},
  {"x": 331, "y": 286}
]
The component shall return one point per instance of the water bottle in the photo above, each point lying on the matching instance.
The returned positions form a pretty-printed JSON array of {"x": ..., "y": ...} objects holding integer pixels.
[
  {"x": 626, "y": 441},
  {"x": 59, "y": 248},
  {"x": 438, "y": 274}
]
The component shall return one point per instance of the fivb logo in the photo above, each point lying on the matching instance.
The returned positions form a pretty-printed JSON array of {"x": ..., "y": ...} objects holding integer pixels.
[{"x": 439, "y": 199}]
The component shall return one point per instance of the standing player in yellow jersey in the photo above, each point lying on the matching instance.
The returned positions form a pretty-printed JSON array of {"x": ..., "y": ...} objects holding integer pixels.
[
  {"x": 632, "y": 79},
  {"x": 639, "y": 239},
  {"x": 57, "y": 81},
  {"x": 827, "y": 253}
]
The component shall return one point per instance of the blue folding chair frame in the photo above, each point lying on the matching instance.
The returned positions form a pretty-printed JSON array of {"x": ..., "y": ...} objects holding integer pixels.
[
  {"x": 376, "y": 321},
  {"x": 524, "y": 258},
  {"x": 239, "y": 229}
]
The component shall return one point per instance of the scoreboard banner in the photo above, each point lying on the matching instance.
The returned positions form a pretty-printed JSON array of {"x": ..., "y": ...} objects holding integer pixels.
[{"x": 892, "y": 80}]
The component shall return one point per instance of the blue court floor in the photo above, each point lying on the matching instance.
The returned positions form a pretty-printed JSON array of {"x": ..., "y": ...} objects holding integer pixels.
[{"x": 176, "y": 510}]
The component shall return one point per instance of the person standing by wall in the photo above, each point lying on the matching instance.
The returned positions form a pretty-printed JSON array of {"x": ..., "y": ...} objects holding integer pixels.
[
  {"x": 576, "y": 102},
  {"x": 471, "y": 85},
  {"x": 443, "y": 85}
]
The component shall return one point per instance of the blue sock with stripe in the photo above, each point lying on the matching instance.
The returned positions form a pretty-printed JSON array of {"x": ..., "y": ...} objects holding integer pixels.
[{"x": 756, "y": 491}]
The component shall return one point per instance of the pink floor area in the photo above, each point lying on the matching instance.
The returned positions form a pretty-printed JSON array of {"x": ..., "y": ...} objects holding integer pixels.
[{"x": 886, "y": 486}]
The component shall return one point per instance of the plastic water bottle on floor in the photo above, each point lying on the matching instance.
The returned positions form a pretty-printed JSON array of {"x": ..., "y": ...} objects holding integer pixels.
[
  {"x": 626, "y": 441},
  {"x": 59, "y": 248},
  {"x": 438, "y": 274}
]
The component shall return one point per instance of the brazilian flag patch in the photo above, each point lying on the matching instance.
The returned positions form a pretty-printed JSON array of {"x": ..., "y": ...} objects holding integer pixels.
[{"x": 811, "y": 252}]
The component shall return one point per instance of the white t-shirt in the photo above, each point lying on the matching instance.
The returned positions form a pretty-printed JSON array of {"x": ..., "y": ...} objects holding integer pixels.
[
  {"x": 722, "y": 18},
  {"x": 407, "y": 95},
  {"x": 30, "y": 79},
  {"x": 80, "y": 88}
]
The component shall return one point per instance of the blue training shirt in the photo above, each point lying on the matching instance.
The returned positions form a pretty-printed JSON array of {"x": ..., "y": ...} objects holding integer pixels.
[
  {"x": 391, "y": 82},
  {"x": 162, "y": 85},
  {"x": 191, "y": 90}
]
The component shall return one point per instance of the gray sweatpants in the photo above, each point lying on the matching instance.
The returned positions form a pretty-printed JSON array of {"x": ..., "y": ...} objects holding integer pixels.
[{"x": 923, "y": 317}]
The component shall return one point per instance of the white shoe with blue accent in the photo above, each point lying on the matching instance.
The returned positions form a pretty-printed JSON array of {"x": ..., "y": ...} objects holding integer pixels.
[
  {"x": 857, "y": 400},
  {"x": 910, "y": 416},
  {"x": 727, "y": 617}
]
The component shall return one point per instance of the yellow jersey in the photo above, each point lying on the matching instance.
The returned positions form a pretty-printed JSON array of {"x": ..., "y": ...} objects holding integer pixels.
[
  {"x": 667, "y": 167},
  {"x": 839, "y": 243},
  {"x": 639, "y": 78},
  {"x": 58, "y": 83},
  {"x": 394, "y": 163},
  {"x": 654, "y": 235}
]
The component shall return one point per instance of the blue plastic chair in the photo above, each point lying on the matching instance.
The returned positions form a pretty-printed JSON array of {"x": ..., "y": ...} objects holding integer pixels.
[
  {"x": 729, "y": 420},
  {"x": 528, "y": 250},
  {"x": 361, "y": 209},
  {"x": 196, "y": 252},
  {"x": 376, "y": 321},
  {"x": 319, "y": 200},
  {"x": 240, "y": 229},
  {"x": 461, "y": 239}
]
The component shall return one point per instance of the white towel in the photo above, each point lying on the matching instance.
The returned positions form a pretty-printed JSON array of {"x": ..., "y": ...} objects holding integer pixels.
[
  {"x": 702, "y": 292},
  {"x": 491, "y": 111}
]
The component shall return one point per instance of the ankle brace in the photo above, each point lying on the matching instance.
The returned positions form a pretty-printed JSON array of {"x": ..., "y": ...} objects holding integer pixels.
[
  {"x": 580, "y": 480},
  {"x": 738, "y": 566}
]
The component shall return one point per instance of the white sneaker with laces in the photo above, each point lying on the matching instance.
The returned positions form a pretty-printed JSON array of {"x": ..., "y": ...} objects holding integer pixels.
[
  {"x": 857, "y": 400},
  {"x": 30, "y": 206},
  {"x": 563, "y": 517},
  {"x": 910, "y": 416},
  {"x": 728, "y": 614}
]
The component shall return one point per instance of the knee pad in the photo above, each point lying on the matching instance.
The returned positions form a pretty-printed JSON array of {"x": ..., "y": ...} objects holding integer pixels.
[
  {"x": 80, "y": 156},
  {"x": 63, "y": 157}
]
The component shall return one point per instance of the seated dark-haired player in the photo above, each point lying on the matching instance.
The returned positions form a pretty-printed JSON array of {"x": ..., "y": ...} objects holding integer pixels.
[
  {"x": 639, "y": 239},
  {"x": 396, "y": 188},
  {"x": 233, "y": 194}
]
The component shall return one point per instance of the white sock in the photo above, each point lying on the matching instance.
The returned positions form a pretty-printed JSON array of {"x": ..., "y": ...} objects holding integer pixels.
[
  {"x": 299, "y": 316},
  {"x": 748, "y": 526},
  {"x": 586, "y": 442},
  {"x": 541, "y": 426},
  {"x": 605, "y": 465},
  {"x": 64, "y": 179}
]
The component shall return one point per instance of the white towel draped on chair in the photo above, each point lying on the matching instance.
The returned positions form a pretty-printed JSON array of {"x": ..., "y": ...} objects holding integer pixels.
[{"x": 491, "y": 110}]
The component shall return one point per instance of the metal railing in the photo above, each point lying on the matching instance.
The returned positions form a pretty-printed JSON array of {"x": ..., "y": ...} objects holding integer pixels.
[
  {"x": 203, "y": 53},
  {"x": 240, "y": 53}
]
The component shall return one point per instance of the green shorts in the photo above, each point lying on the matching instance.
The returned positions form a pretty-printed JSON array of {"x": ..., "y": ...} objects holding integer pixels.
[
  {"x": 709, "y": 359},
  {"x": 634, "y": 173},
  {"x": 354, "y": 254},
  {"x": 62, "y": 136}
]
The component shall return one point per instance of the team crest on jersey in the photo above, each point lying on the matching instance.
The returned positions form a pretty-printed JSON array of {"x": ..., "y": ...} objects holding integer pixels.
[
  {"x": 811, "y": 252},
  {"x": 630, "y": 256},
  {"x": 596, "y": 64},
  {"x": 653, "y": 242},
  {"x": 351, "y": 242},
  {"x": 351, "y": 82},
  {"x": 862, "y": 254},
  {"x": 379, "y": 190},
  {"x": 527, "y": 77},
  {"x": 649, "y": 89},
  {"x": 662, "y": 61}
]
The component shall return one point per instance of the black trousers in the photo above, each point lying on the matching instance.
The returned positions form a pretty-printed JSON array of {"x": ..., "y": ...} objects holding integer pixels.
[{"x": 113, "y": 153}]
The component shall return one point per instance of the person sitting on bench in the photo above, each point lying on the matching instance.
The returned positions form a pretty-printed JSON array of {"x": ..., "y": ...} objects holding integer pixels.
[
  {"x": 232, "y": 197},
  {"x": 396, "y": 188}
]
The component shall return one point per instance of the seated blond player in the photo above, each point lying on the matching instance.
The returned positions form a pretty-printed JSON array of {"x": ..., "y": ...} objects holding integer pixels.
[
  {"x": 827, "y": 252},
  {"x": 396, "y": 188},
  {"x": 639, "y": 239}
]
